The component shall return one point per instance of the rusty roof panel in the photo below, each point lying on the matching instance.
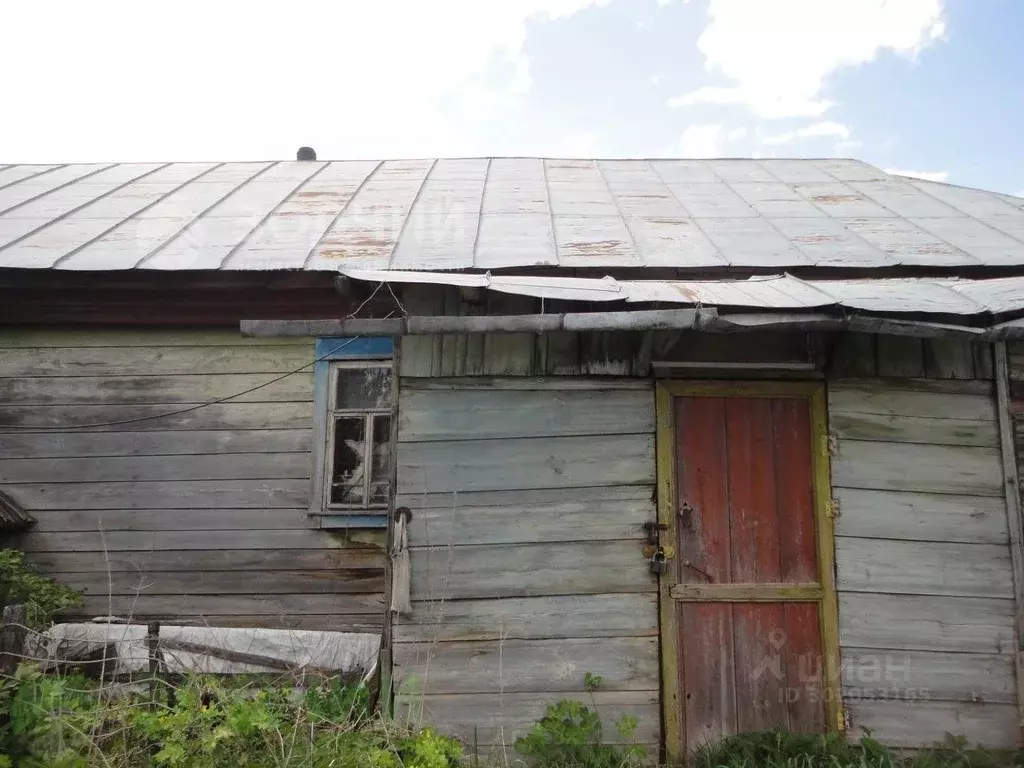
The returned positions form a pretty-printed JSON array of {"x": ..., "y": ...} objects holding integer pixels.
[
  {"x": 977, "y": 239},
  {"x": 525, "y": 239},
  {"x": 907, "y": 243},
  {"x": 892, "y": 296},
  {"x": 590, "y": 241},
  {"x": 749, "y": 242},
  {"x": 973, "y": 202},
  {"x": 498, "y": 213},
  {"x": 827, "y": 243},
  {"x": 673, "y": 242}
]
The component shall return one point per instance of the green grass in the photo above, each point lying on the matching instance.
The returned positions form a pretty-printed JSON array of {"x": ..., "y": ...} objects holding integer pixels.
[{"x": 781, "y": 749}]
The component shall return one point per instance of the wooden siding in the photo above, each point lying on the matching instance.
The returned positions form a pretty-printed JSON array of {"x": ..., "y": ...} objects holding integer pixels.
[
  {"x": 926, "y": 597},
  {"x": 526, "y": 542},
  {"x": 198, "y": 517}
]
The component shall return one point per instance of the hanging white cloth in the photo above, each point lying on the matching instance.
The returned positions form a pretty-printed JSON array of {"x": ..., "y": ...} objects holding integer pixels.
[{"x": 401, "y": 567}]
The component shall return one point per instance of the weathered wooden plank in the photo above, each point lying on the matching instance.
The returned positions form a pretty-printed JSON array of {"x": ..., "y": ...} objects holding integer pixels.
[
  {"x": 133, "y": 390},
  {"x": 20, "y": 338},
  {"x": 918, "y": 622},
  {"x": 707, "y": 670},
  {"x": 339, "y": 581},
  {"x": 562, "y": 356},
  {"x": 871, "y": 674},
  {"x": 532, "y": 496},
  {"x": 926, "y": 723},
  {"x": 854, "y": 355},
  {"x": 1011, "y": 487},
  {"x": 156, "y": 541},
  {"x": 147, "y": 418},
  {"x": 509, "y": 354},
  {"x": 748, "y": 592},
  {"x": 921, "y": 516},
  {"x": 185, "y": 494},
  {"x": 949, "y": 358},
  {"x": 934, "y": 386},
  {"x": 153, "y": 360},
  {"x": 145, "y": 605},
  {"x": 915, "y": 467},
  {"x": 529, "y": 618},
  {"x": 913, "y": 429},
  {"x": 478, "y": 414},
  {"x": 514, "y": 666},
  {"x": 239, "y": 466},
  {"x": 891, "y": 399},
  {"x": 560, "y": 462},
  {"x": 360, "y": 622},
  {"x": 608, "y": 353},
  {"x": 528, "y": 570},
  {"x": 900, "y": 356},
  {"x": 357, "y": 556},
  {"x": 421, "y": 355},
  {"x": 805, "y": 676},
  {"x": 527, "y": 383},
  {"x": 584, "y": 519},
  {"x": 982, "y": 354},
  {"x": 923, "y": 567},
  {"x": 156, "y": 443},
  {"x": 52, "y": 521},
  {"x": 494, "y": 718}
]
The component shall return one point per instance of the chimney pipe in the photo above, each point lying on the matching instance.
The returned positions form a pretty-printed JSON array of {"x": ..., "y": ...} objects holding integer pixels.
[{"x": 305, "y": 153}]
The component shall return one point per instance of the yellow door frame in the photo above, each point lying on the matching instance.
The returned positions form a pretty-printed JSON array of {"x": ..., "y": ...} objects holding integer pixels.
[{"x": 814, "y": 393}]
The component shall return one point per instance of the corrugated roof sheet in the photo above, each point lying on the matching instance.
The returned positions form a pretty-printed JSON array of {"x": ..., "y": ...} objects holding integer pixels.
[
  {"x": 889, "y": 296},
  {"x": 496, "y": 213}
]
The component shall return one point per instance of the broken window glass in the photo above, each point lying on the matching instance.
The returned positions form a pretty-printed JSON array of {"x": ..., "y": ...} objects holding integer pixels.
[
  {"x": 360, "y": 419},
  {"x": 380, "y": 469},
  {"x": 348, "y": 481},
  {"x": 364, "y": 388}
]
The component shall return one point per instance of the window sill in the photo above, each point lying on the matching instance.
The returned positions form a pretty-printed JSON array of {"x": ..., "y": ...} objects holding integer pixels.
[{"x": 346, "y": 522}]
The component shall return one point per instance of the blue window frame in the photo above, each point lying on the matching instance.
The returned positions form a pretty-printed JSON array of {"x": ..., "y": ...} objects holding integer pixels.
[{"x": 353, "y": 445}]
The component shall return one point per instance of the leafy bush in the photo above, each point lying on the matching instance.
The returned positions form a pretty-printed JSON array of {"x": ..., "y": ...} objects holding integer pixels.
[
  {"x": 570, "y": 735},
  {"x": 205, "y": 722},
  {"x": 42, "y": 597},
  {"x": 782, "y": 749}
]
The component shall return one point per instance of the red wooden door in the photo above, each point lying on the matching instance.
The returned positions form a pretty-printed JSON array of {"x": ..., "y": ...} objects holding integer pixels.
[{"x": 747, "y": 589}]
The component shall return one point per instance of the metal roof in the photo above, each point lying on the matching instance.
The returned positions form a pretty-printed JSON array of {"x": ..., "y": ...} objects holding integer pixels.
[
  {"x": 496, "y": 213},
  {"x": 933, "y": 296}
]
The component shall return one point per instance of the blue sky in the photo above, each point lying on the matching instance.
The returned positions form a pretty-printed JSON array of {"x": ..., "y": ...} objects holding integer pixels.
[{"x": 922, "y": 86}]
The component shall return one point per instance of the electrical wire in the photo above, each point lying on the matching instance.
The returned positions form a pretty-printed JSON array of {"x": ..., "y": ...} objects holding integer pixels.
[{"x": 218, "y": 401}]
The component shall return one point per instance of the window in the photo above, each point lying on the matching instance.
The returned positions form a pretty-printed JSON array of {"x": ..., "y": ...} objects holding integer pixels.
[{"x": 353, "y": 458}]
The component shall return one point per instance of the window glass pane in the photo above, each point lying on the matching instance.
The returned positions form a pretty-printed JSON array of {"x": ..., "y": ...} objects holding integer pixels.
[
  {"x": 368, "y": 388},
  {"x": 380, "y": 480},
  {"x": 347, "y": 470}
]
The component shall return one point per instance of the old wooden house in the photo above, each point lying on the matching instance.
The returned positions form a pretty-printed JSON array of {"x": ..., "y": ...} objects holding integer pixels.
[{"x": 736, "y": 436}]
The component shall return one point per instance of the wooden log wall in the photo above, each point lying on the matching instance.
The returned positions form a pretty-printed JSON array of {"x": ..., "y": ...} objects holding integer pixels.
[
  {"x": 926, "y": 593},
  {"x": 528, "y": 498},
  {"x": 200, "y": 516}
]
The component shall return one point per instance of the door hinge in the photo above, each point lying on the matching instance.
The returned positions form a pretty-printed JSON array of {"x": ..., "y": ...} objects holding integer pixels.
[
  {"x": 832, "y": 509},
  {"x": 842, "y": 720}
]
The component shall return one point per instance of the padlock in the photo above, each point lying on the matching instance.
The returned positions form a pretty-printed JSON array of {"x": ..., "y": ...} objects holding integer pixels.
[{"x": 659, "y": 563}]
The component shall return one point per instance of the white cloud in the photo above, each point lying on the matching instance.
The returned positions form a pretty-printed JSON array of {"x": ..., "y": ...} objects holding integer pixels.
[
  {"x": 736, "y": 134},
  {"x": 200, "y": 80},
  {"x": 822, "y": 130},
  {"x": 926, "y": 175},
  {"x": 847, "y": 146},
  {"x": 700, "y": 141},
  {"x": 778, "y": 54}
]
